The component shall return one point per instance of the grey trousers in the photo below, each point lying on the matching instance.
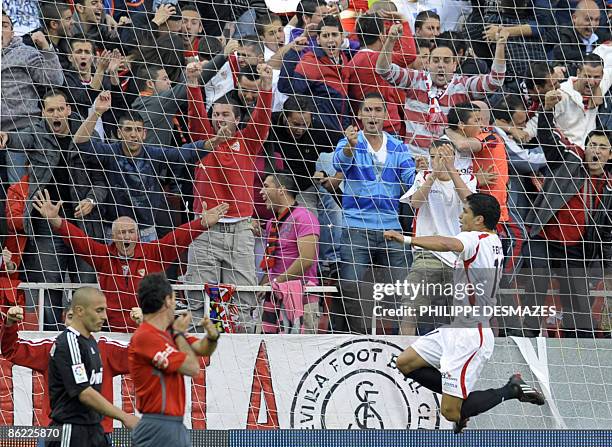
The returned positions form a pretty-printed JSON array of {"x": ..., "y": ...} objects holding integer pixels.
[
  {"x": 225, "y": 254},
  {"x": 157, "y": 430}
]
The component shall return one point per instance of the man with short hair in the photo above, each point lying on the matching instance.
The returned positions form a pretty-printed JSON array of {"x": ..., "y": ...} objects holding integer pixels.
[
  {"x": 449, "y": 360},
  {"x": 427, "y": 25},
  {"x": 226, "y": 254},
  {"x": 292, "y": 243},
  {"x": 34, "y": 354},
  {"x": 56, "y": 27},
  {"x": 122, "y": 265},
  {"x": 75, "y": 377},
  {"x": 576, "y": 113},
  {"x": 430, "y": 94},
  {"x": 92, "y": 23},
  {"x": 133, "y": 167},
  {"x": 160, "y": 354},
  {"x": 376, "y": 166},
  {"x": 576, "y": 41}
]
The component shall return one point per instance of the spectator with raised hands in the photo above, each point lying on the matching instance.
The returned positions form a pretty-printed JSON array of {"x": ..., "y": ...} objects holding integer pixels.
[
  {"x": 133, "y": 167},
  {"x": 430, "y": 94},
  {"x": 122, "y": 265},
  {"x": 226, "y": 253},
  {"x": 581, "y": 96},
  {"x": 438, "y": 194},
  {"x": 319, "y": 74},
  {"x": 83, "y": 82},
  {"x": 24, "y": 69},
  {"x": 53, "y": 165}
]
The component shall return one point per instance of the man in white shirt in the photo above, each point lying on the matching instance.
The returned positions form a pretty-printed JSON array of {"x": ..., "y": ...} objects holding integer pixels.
[
  {"x": 576, "y": 113},
  {"x": 437, "y": 196}
]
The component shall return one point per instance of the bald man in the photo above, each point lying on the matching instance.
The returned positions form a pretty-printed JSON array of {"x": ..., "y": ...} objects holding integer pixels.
[
  {"x": 122, "y": 265},
  {"x": 581, "y": 39},
  {"x": 75, "y": 376}
]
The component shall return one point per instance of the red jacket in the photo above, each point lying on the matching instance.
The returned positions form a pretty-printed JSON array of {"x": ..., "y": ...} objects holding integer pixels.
[
  {"x": 35, "y": 355},
  {"x": 362, "y": 79},
  {"x": 119, "y": 277},
  {"x": 227, "y": 174}
]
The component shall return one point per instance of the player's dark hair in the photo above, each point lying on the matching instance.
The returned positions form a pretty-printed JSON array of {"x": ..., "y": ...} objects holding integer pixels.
[
  {"x": 190, "y": 7},
  {"x": 460, "y": 113},
  {"x": 422, "y": 17},
  {"x": 506, "y": 107},
  {"x": 369, "y": 29},
  {"x": 487, "y": 206},
  {"x": 152, "y": 292},
  {"x": 52, "y": 11}
]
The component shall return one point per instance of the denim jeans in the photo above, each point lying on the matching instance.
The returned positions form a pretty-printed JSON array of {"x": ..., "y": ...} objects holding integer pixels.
[{"x": 361, "y": 249}]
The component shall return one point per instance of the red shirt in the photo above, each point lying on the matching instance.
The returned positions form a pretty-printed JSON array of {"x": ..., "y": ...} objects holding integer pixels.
[
  {"x": 154, "y": 360},
  {"x": 119, "y": 277},
  {"x": 362, "y": 79},
  {"x": 34, "y": 354},
  {"x": 228, "y": 173},
  {"x": 569, "y": 223}
]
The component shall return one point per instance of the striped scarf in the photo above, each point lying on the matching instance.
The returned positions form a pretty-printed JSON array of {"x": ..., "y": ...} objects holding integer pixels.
[{"x": 273, "y": 242}]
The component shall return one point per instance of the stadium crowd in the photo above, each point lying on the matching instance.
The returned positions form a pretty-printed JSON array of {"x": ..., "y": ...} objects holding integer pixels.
[{"x": 252, "y": 142}]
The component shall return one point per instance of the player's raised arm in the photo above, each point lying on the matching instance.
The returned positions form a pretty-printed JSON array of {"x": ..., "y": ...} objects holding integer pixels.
[{"x": 432, "y": 243}]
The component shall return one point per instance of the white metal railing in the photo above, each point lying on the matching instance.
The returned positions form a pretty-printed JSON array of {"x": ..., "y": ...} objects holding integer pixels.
[{"x": 42, "y": 286}]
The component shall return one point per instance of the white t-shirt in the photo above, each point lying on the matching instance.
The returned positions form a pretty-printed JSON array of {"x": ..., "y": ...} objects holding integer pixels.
[
  {"x": 381, "y": 154},
  {"x": 439, "y": 215}
]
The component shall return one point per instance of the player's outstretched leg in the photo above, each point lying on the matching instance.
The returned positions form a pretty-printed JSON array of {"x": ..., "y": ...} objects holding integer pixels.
[
  {"x": 480, "y": 401},
  {"x": 413, "y": 366}
]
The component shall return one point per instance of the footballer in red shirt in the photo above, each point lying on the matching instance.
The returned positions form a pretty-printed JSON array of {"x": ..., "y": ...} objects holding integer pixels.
[{"x": 159, "y": 355}]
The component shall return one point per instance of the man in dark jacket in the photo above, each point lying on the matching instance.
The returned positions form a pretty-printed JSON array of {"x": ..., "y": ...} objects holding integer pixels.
[
  {"x": 133, "y": 167},
  {"x": 577, "y": 41},
  {"x": 53, "y": 166},
  {"x": 571, "y": 222}
]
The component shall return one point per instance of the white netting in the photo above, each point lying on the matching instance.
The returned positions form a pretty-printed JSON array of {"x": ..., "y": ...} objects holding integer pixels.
[{"x": 139, "y": 116}]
